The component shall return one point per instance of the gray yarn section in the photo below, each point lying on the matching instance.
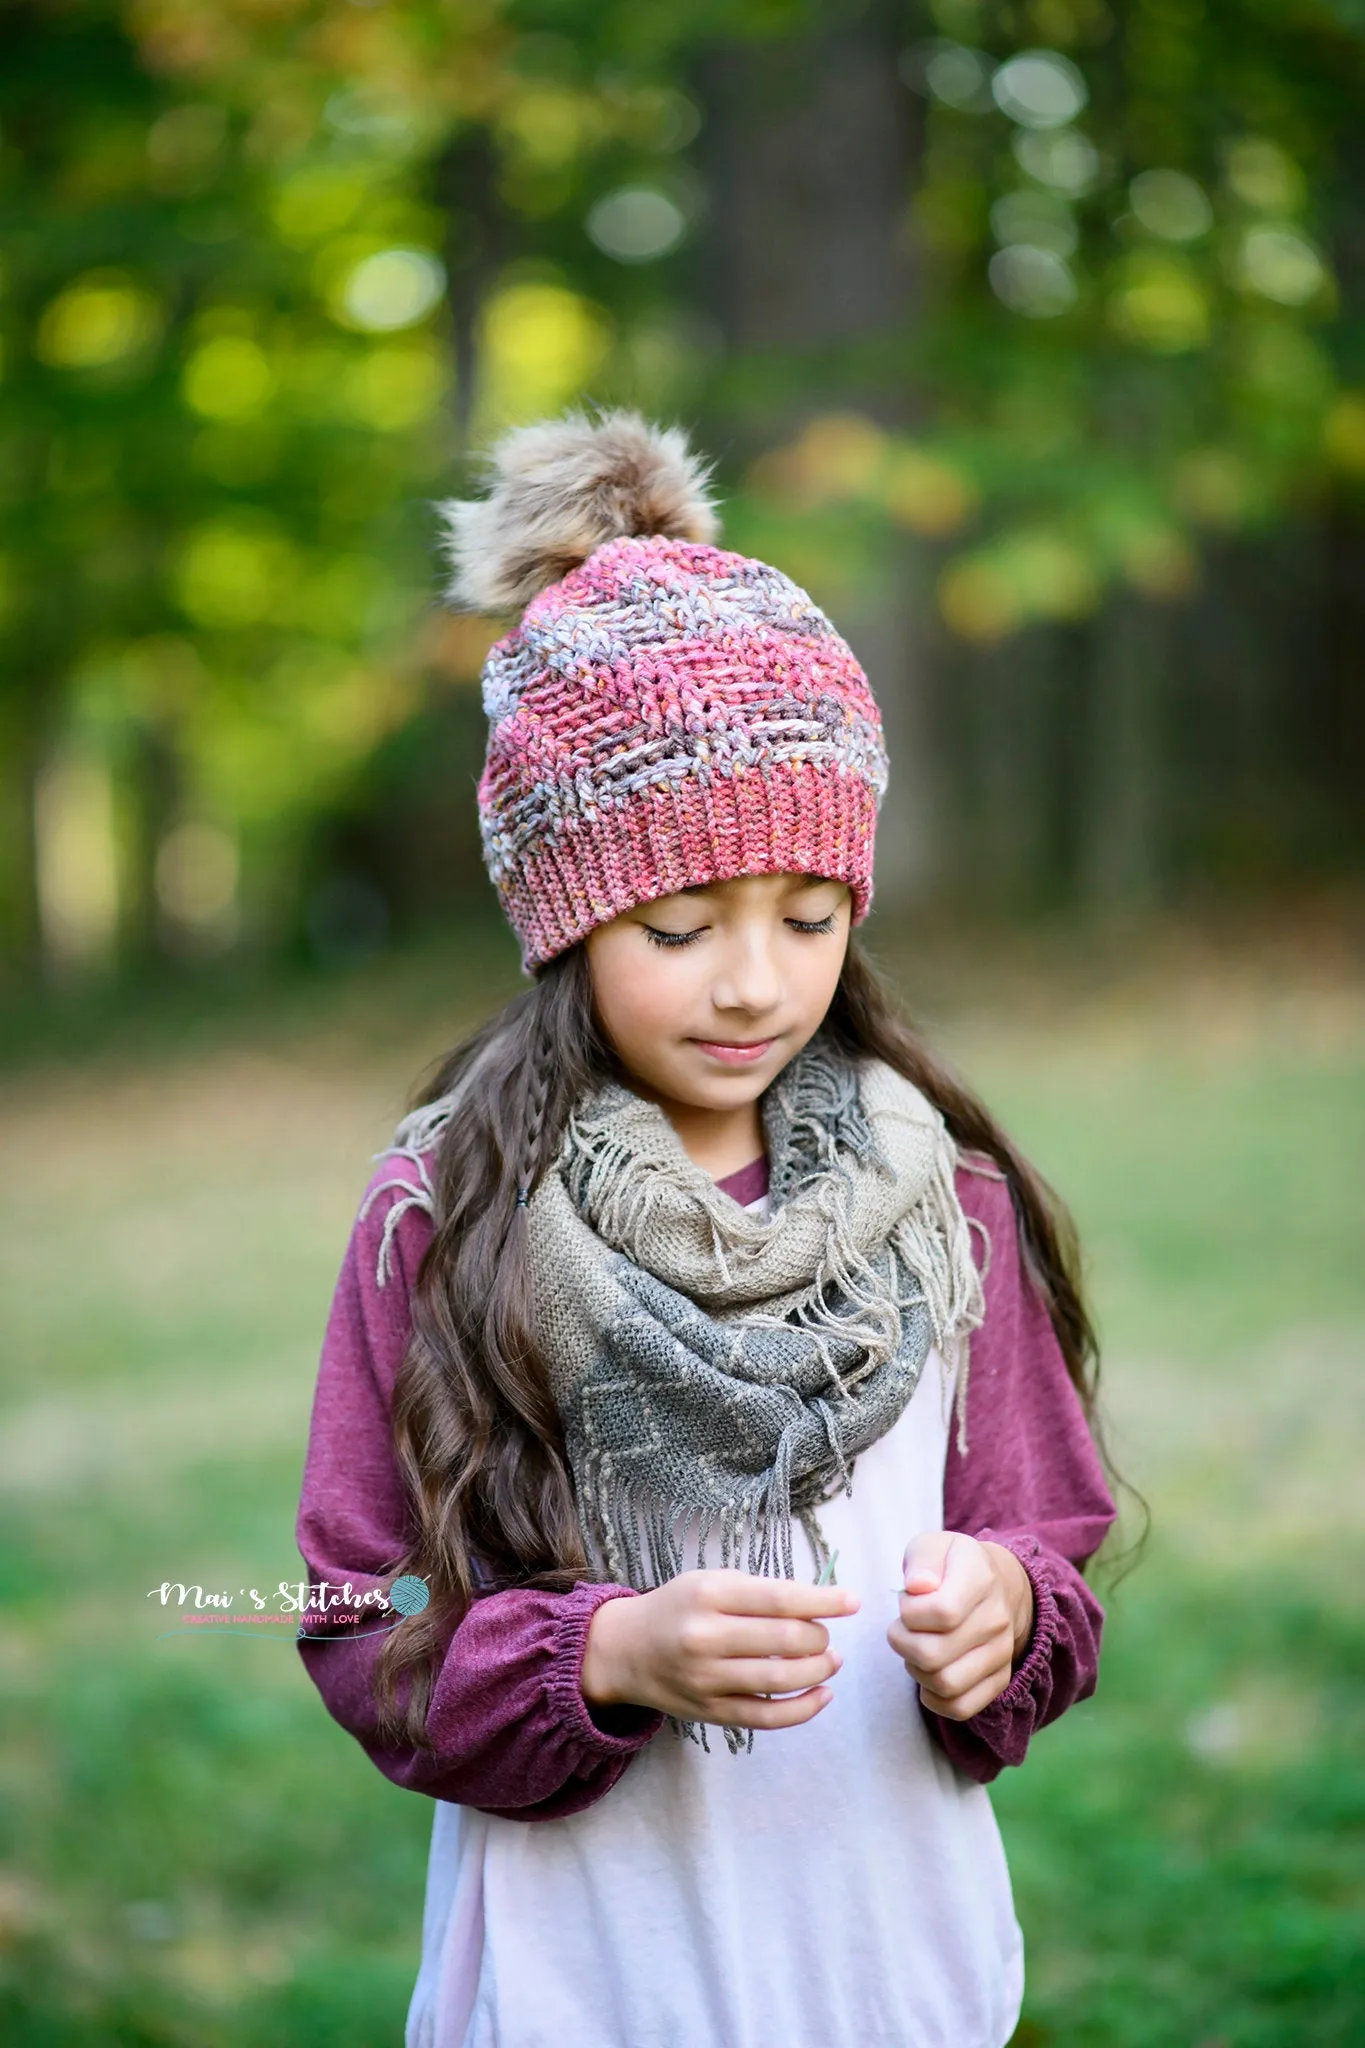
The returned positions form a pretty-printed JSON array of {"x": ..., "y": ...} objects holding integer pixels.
[{"x": 741, "y": 1429}]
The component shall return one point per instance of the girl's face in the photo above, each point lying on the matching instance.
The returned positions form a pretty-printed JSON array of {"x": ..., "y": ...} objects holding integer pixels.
[{"x": 706, "y": 995}]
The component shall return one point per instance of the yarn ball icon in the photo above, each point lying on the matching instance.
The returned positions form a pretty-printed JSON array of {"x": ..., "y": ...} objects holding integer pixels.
[{"x": 409, "y": 1594}]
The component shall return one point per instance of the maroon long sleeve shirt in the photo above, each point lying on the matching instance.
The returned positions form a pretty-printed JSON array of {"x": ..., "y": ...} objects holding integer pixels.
[{"x": 510, "y": 1728}]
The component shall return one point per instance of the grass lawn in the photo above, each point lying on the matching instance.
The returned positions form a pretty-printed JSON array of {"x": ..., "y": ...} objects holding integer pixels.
[{"x": 194, "y": 1856}]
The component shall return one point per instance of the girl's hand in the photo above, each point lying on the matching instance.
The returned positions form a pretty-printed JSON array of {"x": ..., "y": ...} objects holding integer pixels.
[
  {"x": 966, "y": 1616},
  {"x": 714, "y": 1645}
]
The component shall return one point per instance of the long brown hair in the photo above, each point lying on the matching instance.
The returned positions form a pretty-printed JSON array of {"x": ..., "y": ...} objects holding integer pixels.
[{"x": 475, "y": 1429}]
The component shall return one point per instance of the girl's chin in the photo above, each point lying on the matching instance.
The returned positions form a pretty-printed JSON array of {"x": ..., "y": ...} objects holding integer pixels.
[
  {"x": 706, "y": 1084},
  {"x": 725, "y": 1090}
]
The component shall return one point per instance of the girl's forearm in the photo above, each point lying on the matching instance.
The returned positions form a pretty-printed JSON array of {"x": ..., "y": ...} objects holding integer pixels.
[
  {"x": 1030, "y": 1482},
  {"x": 510, "y": 1731}
]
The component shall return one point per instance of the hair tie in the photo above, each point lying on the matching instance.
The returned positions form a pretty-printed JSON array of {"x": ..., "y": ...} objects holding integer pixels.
[{"x": 523, "y": 1197}]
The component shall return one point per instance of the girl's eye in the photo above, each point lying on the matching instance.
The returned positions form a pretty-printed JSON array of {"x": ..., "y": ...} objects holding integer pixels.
[{"x": 800, "y": 924}]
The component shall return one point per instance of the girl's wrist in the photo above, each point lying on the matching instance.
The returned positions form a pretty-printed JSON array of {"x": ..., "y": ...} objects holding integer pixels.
[
  {"x": 600, "y": 1674},
  {"x": 1017, "y": 1587}
]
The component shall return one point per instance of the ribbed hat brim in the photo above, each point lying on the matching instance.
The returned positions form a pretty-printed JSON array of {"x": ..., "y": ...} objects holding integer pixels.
[{"x": 786, "y": 818}]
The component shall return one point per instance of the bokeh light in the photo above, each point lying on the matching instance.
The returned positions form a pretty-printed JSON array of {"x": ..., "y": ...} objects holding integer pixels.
[
  {"x": 98, "y": 319},
  {"x": 927, "y": 493},
  {"x": 317, "y": 200},
  {"x": 394, "y": 288},
  {"x": 1039, "y": 219},
  {"x": 1280, "y": 264},
  {"x": 958, "y": 76},
  {"x": 76, "y": 857},
  {"x": 978, "y": 600},
  {"x": 637, "y": 224},
  {"x": 1170, "y": 205},
  {"x": 1214, "y": 486},
  {"x": 542, "y": 345},
  {"x": 1343, "y": 432},
  {"x": 1035, "y": 282},
  {"x": 393, "y": 388},
  {"x": 1040, "y": 89},
  {"x": 231, "y": 571},
  {"x": 197, "y": 869},
  {"x": 1161, "y": 303},
  {"x": 229, "y": 378},
  {"x": 1159, "y": 561},
  {"x": 1263, "y": 176},
  {"x": 1062, "y": 158}
]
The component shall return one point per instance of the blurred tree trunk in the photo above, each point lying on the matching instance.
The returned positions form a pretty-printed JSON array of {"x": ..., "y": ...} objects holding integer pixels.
[
  {"x": 1340, "y": 752},
  {"x": 152, "y": 792},
  {"x": 476, "y": 245},
  {"x": 1122, "y": 764},
  {"x": 1016, "y": 696},
  {"x": 21, "y": 933},
  {"x": 810, "y": 146}
]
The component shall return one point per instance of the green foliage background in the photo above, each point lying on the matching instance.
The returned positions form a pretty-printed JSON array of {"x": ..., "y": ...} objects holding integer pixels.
[{"x": 272, "y": 274}]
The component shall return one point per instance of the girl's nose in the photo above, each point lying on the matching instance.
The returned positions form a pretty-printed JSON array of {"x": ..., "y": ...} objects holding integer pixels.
[{"x": 749, "y": 979}]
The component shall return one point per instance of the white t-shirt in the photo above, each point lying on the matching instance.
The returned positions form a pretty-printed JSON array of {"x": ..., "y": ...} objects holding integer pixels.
[{"x": 841, "y": 1885}]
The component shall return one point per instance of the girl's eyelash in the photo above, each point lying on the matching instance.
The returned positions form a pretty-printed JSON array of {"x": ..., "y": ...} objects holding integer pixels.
[{"x": 658, "y": 938}]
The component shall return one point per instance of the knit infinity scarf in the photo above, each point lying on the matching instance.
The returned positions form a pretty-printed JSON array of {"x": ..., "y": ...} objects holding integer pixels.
[{"x": 718, "y": 1373}]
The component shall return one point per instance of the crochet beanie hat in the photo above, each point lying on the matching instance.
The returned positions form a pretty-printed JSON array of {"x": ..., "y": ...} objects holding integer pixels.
[{"x": 665, "y": 712}]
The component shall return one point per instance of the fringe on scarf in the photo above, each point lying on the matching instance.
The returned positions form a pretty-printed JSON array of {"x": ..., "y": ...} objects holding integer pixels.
[{"x": 753, "y": 1529}]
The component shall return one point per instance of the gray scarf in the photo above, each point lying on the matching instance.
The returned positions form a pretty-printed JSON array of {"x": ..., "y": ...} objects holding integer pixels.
[{"x": 718, "y": 1373}]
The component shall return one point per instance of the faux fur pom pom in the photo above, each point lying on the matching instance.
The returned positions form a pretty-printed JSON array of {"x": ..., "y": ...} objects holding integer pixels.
[{"x": 559, "y": 489}]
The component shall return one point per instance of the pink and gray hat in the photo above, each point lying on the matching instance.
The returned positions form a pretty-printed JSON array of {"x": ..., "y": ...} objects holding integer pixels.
[{"x": 665, "y": 713}]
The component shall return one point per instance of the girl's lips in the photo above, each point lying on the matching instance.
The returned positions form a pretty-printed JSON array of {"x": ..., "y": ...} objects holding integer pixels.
[{"x": 734, "y": 1055}]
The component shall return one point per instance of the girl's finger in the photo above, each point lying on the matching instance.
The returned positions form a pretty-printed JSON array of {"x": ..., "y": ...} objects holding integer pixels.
[
  {"x": 757, "y": 1636},
  {"x": 966, "y": 1704},
  {"x": 746, "y": 1593},
  {"x": 776, "y": 1674},
  {"x": 752, "y": 1710},
  {"x": 965, "y": 1673},
  {"x": 942, "y": 1611},
  {"x": 930, "y": 1653}
]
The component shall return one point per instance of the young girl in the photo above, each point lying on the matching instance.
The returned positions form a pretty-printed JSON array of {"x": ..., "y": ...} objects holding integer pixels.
[{"x": 728, "y": 1585}]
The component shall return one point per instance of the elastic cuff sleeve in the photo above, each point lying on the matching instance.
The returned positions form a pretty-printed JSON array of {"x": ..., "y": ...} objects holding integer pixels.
[
  {"x": 604, "y": 1731},
  {"x": 1034, "y": 1671}
]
